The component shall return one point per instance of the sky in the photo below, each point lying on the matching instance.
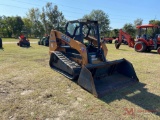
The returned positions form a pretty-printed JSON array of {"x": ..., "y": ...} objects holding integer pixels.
[{"x": 118, "y": 11}]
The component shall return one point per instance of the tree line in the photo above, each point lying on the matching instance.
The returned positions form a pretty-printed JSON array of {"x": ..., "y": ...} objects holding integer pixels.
[
  {"x": 39, "y": 22},
  {"x": 35, "y": 24}
]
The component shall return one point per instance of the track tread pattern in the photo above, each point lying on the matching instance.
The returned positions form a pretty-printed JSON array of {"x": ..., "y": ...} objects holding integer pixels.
[{"x": 69, "y": 63}]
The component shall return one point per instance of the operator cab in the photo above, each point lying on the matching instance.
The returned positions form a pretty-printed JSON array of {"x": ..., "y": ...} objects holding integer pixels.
[
  {"x": 148, "y": 32},
  {"x": 86, "y": 32},
  {"x": 81, "y": 29}
]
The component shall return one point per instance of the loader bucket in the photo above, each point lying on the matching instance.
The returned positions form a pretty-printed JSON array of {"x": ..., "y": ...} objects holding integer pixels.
[{"x": 102, "y": 78}]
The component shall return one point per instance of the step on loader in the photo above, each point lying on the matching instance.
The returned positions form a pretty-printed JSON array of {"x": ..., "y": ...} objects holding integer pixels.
[{"x": 79, "y": 55}]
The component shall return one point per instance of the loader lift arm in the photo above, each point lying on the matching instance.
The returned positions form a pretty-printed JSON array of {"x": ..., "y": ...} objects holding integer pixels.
[{"x": 129, "y": 39}]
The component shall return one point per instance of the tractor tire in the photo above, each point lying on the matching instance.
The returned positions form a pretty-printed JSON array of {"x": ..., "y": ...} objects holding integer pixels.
[
  {"x": 158, "y": 50},
  {"x": 20, "y": 44},
  {"x": 117, "y": 45},
  {"x": 140, "y": 47},
  {"x": 38, "y": 42},
  {"x": 0, "y": 43},
  {"x": 28, "y": 45}
]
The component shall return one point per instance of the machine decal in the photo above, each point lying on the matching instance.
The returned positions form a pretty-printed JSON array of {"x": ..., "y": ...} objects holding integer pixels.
[
  {"x": 83, "y": 49},
  {"x": 65, "y": 38},
  {"x": 52, "y": 40}
]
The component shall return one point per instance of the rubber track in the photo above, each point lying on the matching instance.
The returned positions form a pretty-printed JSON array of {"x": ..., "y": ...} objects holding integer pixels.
[{"x": 69, "y": 63}]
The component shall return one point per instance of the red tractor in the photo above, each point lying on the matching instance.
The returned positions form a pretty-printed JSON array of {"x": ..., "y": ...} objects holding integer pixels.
[{"x": 148, "y": 38}]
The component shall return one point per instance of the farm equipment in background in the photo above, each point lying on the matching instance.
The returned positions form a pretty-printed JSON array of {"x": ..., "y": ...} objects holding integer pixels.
[
  {"x": 1, "y": 43},
  {"x": 148, "y": 38},
  {"x": 108, "y": 39},
  {"x": 125, "y": 38},
  {"x": 44, "y": 41},
  {"x": 124, "y": 41},
  {"x": 23, "y": 41},
  {"x": 79, "y": 55}
]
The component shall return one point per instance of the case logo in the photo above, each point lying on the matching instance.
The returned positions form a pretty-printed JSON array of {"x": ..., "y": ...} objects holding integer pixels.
[
  {"x": 65, "y": 38},
  {"x": 52, "y": 40}
]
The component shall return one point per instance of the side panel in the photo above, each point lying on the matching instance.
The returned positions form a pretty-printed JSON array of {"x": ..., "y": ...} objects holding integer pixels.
[
  {"x": 52, "y": 42},
  {"x": 53, "y": 46},
  {"x": 142, "y": 40}
]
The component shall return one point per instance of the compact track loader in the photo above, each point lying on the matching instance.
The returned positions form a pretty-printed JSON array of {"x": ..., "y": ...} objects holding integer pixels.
[{"x": 79, "y": 55}]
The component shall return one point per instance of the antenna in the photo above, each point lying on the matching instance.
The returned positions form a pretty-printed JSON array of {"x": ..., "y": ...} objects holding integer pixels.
[{"x": 155, "y": 17}]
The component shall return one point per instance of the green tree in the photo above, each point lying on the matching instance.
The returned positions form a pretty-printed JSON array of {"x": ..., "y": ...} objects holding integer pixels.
[
  {"x": 155, "y": 22},
  {"x": 17, "y": 25},
  {"x": 36, "y": 26},
  {"x": 100, "y": 16},
  {"x": 113, "y": 33},
  {"x": 138, "y": 21},
  {"x": 7, "y": 22},
  {"x": 116, "y": 32},
  {"x": 27, "y": 25},
  {"x": 44, "y": 20},
  {"x": 56, "y": 19},
  {"x": 130, "y": 29},
  {"x": 11, "y": 25},
  {"x": 150, "y": 31},
  {"x": 2, "y": 26},
  {"x": 38, "y": 29}
]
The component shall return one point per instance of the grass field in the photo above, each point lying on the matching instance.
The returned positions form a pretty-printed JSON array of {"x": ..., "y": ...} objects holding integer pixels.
[{"x": 30, "y": 90}]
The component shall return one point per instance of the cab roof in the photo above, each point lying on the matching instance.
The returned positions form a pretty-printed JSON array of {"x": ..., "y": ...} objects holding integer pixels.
[{"x": 147, "y": 26}]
